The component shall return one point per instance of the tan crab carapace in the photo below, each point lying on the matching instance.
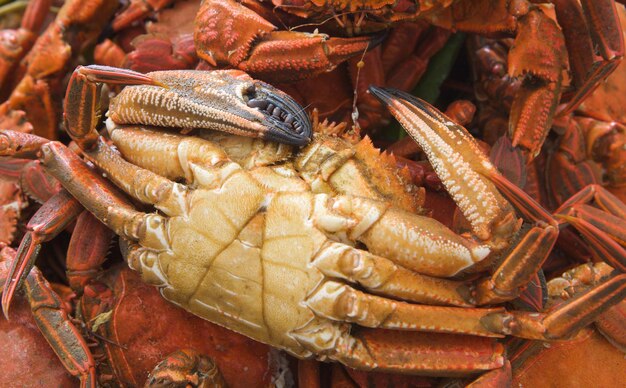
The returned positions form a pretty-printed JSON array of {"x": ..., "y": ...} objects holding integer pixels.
[{"x": 270, "y": 253}]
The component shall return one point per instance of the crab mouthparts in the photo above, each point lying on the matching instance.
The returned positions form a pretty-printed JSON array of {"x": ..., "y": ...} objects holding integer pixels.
[{"x": 288, "y": 123}]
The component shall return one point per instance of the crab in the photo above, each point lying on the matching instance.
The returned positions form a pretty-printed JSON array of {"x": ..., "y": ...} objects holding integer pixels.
[
  {"x": 399, "y": 62},
  {"x": 254, "y": 43},
  {"x": 279, "y": 261},
  {"x": 83, "y": 328}
]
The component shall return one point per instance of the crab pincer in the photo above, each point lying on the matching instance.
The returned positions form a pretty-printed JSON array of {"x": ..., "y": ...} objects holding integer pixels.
[
  {"x": 464, "y": 170},
  {"x": 227, "y": 100}
]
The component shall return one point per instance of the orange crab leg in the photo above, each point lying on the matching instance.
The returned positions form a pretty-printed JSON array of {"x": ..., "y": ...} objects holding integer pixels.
[
  {"x": 601, "y": 196},
  {"x": 594, "y": 28},
  {"x": 136, "y": 10},
  {"x": 605, "y": 229},
  {"x": 54, "y": 323},
  {"x": 600, "y": 243},
  {"x": 47, "y": 222},
  {"x": 20, "y": 145},
  {"x": 571, "y": 316},
  {"x": 63, "y": 336},
  {"x": 88, "y": 247},
  {"x": 436, "y": 354}
]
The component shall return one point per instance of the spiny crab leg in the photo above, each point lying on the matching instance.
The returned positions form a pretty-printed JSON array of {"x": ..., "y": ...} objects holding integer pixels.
[
  {"x": 54, "y": 323},
  {"x": 227, "y": 100}
]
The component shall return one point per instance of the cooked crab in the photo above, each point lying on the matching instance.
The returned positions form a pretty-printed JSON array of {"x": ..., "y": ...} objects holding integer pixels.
[{"x": 266, "y": 252}]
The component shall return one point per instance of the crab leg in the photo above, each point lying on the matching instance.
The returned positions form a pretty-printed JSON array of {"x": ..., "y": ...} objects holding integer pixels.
[
  {"x": 50, "y": 220},
  {"x": 57, "y": 328},
  {"x": 20, "y": 145},
  {"x": 55, "y": 325},
  {"x": 413, "y": 352},
  {"x": 567, "y": 318},
  {"x": 594, "y": 28},
  {"x": 605, "y": 229},
  {"x": 87, "y": 250}
]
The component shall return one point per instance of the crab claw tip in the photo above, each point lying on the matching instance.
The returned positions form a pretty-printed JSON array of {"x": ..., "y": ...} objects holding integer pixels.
[{"x": 286, "y": 120}]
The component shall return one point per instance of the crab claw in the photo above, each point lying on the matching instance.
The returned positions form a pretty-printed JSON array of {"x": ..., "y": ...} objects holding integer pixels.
[
  {"x": 457, "y": 160},
  {"x": 229, "y": 34},
  {"x": 227, "y": 100}
]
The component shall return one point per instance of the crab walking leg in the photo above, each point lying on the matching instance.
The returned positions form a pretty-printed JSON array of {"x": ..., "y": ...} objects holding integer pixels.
[
  {"x": 50, "y": 220},
  {"x": 420, "y": 353},
  {"x": 54, "y": 323},
  {"x": 601, "y": 196},
  {"x": 141, "y": 184},
  {"x": 340, "y": 302},
  {"x": 567, "y": 318},
  {"x": 52, "y": 320},
  {"x": 605, "y": 229},
  {"x": 102, "y": 199},
  {"x": 609, "y": 248},
  {"x": 383, "y": 277},
  {"x": 88, "y": 249},
  {"x": 199, "y": 162},
  {"x": 20, "y": 145}
]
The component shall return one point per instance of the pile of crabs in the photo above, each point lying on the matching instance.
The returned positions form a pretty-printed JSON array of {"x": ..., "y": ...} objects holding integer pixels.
[{"x": 192, "y": 193}]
